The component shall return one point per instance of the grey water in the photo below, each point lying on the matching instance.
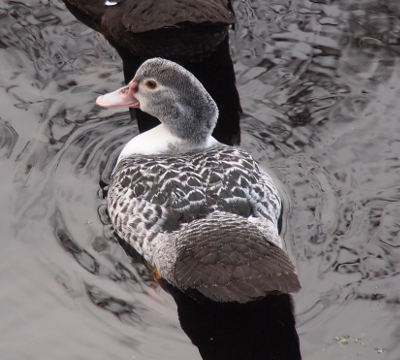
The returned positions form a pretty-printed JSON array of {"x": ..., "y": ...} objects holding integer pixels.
[{"x": 320, "y": 89}]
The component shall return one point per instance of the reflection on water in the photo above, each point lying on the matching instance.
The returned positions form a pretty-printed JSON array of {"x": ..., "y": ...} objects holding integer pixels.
[
  {"x": 319, "y": 83},
  {"x": 257, "y": 330}
]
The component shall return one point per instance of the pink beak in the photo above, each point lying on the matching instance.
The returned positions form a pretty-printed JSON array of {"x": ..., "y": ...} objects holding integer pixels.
[{"x": 121, "y": 97}]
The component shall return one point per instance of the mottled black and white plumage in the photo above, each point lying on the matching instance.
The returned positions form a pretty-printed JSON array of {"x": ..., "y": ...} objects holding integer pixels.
[{"x": 203, "y": 214}]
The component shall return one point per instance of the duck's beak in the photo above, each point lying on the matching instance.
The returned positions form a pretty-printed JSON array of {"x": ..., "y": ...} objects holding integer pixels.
[{"x": 121, "y": 97}]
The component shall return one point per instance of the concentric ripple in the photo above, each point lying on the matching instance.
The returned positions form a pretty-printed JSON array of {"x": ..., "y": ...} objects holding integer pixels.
[{"x": 319, "y": 85}]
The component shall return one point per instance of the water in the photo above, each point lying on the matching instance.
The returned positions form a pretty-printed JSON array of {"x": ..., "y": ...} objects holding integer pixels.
[{"x": 320, "y": 89}]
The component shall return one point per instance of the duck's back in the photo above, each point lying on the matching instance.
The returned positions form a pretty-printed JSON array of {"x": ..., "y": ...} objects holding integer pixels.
[{"x": 150, "y": 195}]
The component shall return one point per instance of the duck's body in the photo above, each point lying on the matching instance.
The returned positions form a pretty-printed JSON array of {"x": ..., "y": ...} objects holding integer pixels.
[
  {"x": 193, "y": 33},
  {"x": 202, "y": 213}
]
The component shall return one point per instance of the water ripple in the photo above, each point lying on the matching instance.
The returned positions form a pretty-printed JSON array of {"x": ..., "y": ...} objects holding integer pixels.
[{"x": 319, "y": 85}]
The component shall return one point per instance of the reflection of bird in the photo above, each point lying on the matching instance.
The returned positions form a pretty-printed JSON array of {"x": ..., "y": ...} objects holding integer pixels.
[
  {"x": 203, "y": 214},
  {"x": 257, "y": 330},
  {"x": 193, "y": 33}
]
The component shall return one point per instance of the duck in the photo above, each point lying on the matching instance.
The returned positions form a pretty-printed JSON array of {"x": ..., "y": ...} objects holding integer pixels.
[
  {"x": 192, "y": 33},
  {"x": 202, "y": 214}
]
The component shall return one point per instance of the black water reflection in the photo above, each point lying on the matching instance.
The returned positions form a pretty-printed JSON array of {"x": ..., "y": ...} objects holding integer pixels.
[
  {"x": 257, "y": 330},
  {"x": 319, "y": 85}
]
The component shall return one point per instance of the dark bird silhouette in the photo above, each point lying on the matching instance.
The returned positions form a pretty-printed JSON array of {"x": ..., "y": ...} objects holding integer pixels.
[
  {"x": 258, "y": 330},
  {"x": 193, "y": 33}
]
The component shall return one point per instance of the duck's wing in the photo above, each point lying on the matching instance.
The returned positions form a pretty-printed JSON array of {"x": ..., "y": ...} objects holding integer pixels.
[
  {"x": 245, "y": 179},
  {"x": 226, "y": 258},
  {"x": 160, "y": 194},
  {"x": 148, "y": 196},
  {"x": 200, "y": 211}
]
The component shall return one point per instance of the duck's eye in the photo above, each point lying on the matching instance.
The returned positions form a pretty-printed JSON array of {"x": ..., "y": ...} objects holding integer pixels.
[{"x": 150, "y": 84}]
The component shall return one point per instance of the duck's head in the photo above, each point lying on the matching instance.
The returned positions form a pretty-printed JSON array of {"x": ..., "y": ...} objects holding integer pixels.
[{"x": 172, "y": 94}]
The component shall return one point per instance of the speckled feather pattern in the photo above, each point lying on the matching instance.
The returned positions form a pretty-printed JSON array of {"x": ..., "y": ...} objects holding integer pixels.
[
  {"x": 153, "y": 194},
  {"x": 187, "y": 215}
]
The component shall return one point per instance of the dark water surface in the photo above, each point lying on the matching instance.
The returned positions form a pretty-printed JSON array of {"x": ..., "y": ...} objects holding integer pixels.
[{"x": 320, "y": 89}]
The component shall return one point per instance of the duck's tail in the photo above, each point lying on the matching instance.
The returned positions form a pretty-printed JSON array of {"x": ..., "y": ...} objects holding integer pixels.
[{"x": 227, "y": 258}]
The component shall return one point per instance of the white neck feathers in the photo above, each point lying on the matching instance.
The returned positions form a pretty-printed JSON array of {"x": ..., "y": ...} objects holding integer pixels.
[{"x": 159, "y": 141}]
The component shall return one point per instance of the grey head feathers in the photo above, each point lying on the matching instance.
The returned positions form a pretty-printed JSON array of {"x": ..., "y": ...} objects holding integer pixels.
[{"x": 178, "y": 100}]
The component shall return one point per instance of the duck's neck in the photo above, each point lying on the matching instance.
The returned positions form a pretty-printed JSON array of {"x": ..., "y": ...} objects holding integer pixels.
[
  {"x": 160, "y": 140},
  {"x": 193, "y": 121}
]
